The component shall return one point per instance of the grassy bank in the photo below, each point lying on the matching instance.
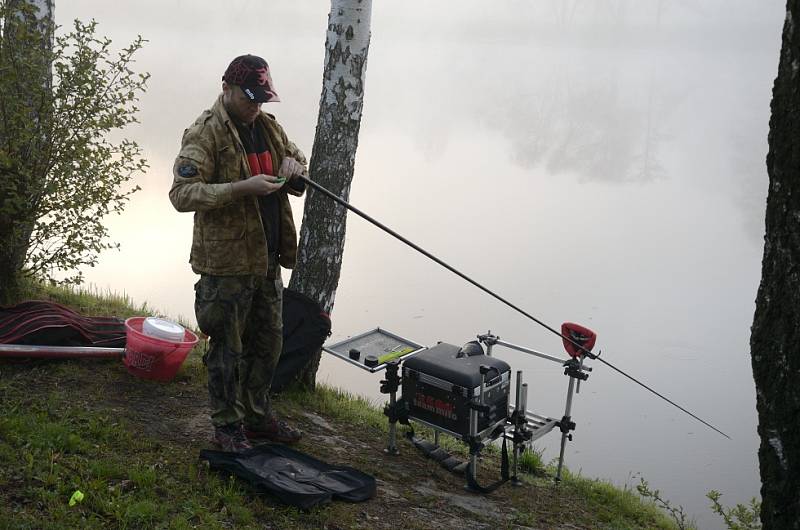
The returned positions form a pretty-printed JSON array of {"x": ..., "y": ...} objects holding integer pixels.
[{"x": 130, "y": 446}]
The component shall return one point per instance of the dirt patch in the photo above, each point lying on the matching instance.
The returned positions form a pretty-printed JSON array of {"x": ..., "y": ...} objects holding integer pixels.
[
  {"x": 318, "y": 421},
  {"x": 478, "y": 505}
]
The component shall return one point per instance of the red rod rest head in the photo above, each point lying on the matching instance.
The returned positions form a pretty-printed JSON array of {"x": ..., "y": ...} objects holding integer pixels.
[{"x": 585, "y": 337}]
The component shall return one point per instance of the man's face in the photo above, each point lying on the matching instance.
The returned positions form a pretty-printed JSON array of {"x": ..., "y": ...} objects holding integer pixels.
[{"x": 238, "y": 105}]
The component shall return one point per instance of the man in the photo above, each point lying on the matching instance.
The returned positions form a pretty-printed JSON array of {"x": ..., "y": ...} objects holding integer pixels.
[{"x": 235, "y": 170}]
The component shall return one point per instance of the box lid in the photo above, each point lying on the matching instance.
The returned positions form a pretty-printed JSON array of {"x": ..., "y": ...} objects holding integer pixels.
[{"x": 442, "y": 361}]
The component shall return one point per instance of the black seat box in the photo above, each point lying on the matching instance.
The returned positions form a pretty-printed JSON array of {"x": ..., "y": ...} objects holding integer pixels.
[{"x": 438, "y": 386}]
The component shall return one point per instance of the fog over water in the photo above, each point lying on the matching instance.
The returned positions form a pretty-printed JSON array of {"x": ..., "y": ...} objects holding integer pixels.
[{"x": 601, "y": 162}]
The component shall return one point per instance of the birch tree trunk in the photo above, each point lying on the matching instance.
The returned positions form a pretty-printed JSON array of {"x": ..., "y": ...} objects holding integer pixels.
[
  {"x": 775, "y": 338},
  {"x": 25, "y": 56},
  {"x": 321, "y": 244}
]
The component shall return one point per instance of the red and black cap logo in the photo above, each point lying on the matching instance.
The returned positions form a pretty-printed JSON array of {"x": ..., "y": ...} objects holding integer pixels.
[{"x": 251, "y": 73}]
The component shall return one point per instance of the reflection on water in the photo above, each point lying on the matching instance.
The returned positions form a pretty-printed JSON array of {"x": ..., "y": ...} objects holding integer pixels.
[
  {"x": 600, "y": 162},
  {"x": 593, "y": 130}
]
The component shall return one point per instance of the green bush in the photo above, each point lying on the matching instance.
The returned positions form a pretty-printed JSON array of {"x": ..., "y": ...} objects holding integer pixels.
[{"x": 62, "y": 94}]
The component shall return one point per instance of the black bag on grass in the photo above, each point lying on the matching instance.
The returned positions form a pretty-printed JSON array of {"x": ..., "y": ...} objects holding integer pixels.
[
  {"x": 305, "y": 328},
  {"x": 295, "y": 478}
]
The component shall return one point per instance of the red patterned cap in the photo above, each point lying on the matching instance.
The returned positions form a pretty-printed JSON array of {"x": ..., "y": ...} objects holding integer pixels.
[{"x": 251, "y": 73}]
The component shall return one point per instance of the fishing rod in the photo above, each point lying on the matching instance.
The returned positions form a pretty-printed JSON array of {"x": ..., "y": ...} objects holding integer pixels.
[{"x": 455, "y": 271}]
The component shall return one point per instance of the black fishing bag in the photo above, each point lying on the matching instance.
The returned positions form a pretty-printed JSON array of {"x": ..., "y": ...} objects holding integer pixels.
[
  {"x": 295, "y": 478},
  {"x": 305, "y": 328}
]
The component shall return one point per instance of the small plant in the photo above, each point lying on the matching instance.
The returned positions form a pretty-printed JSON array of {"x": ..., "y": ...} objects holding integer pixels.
[
  {"x": 677, "y": 513},
  {"x": 530, "y": 461},
  {"x": 740, "y": 517}
]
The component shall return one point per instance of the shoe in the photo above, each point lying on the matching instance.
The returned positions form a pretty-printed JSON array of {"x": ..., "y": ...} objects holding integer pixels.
[
  {"x": 231, "y": 438},
  {"x": 274, "y": 430}
]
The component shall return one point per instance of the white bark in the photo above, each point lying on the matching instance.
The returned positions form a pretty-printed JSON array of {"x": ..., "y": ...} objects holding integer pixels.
[
  {"x": 321, "y": 247},
  {"x": 333, "y": 155},
  {"x": 44, "y": 9}
]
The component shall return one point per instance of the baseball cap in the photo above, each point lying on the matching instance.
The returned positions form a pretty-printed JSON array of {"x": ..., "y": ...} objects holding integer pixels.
[{"x": 252, "y": 74}]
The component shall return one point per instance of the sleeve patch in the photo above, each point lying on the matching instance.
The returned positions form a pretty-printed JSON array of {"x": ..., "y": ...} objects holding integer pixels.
[{"x": 187, "y": 170}]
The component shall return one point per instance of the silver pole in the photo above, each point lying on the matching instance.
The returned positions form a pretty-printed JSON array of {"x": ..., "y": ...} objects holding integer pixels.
[
  {"x": 530, "y": 351},
  {"x": 392, "y": 448},
  {"x": 565, "y": 433},
  {"x": 525, "y": 400},
  {"x": 519, "y": 409},
  {"x": 32, "y": 350},
  {"x": 473, "y": 432}
]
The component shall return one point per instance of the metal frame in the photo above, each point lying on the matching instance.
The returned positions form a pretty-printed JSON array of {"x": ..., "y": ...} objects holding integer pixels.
[
  {"x": 565, "y": 425},
  {"x": 372, "y": 369},
  {"x": 440, "y": 430},
  {"x": 541, "y": 425},
  {"x": 526, "y": 426}
]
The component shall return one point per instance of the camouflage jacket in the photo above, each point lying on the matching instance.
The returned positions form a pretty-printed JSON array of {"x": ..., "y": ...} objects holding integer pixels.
[{"x": 228, "y": 236}]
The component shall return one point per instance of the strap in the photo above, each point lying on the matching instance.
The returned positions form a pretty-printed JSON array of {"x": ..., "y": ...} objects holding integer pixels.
[{"x": 473, "y": 484}]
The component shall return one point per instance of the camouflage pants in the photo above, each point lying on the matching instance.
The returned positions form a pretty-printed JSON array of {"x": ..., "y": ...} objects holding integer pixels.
[{"x": 242, "y": 317}]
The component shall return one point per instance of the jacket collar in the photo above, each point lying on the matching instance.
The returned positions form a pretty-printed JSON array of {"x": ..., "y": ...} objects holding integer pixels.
[{"x": 218, "y": 110}]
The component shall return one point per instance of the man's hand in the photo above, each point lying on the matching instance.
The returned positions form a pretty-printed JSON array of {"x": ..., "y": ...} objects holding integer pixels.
[
  {"x": 291, "y": 168},
  {"x": 256, "y": 185}
]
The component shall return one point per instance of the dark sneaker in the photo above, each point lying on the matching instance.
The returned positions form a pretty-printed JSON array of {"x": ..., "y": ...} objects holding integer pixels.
[
  {"x": 231, "y": 438},
  {"x": 274, "y": 430}
]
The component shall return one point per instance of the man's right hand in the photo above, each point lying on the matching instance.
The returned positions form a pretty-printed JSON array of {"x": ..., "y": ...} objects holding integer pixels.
[{"x": 256, "y": 185}]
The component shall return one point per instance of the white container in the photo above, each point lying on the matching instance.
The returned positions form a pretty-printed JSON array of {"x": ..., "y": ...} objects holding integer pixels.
[{"x": 163, "y": 329}]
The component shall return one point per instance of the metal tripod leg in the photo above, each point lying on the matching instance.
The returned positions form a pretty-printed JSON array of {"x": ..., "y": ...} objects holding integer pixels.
[
  {"x": 473, "y": 432},
  {"x": 565, "y": 427},
  {"x": 390, "y": 385},
  {"x": 391, "y": 447},
  {"x": 473, "y": 429},
  {"x": 520, "y": 400}
]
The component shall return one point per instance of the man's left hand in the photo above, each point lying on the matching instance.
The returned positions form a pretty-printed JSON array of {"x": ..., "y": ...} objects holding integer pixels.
[{"x": 291, "y": 168}]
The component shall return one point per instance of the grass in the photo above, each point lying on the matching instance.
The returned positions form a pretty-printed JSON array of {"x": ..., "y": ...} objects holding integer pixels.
[
  {"x": 68, "y": 426},
  {"x": 87, "y": 301},
  {"x": 619, "y": 508},
  {"x": 531, "y": 461},
  {"x": 51, "y": 447}
]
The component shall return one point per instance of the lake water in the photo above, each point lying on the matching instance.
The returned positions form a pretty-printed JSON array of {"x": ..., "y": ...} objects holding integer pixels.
[{"x": 592, "y": 161}]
